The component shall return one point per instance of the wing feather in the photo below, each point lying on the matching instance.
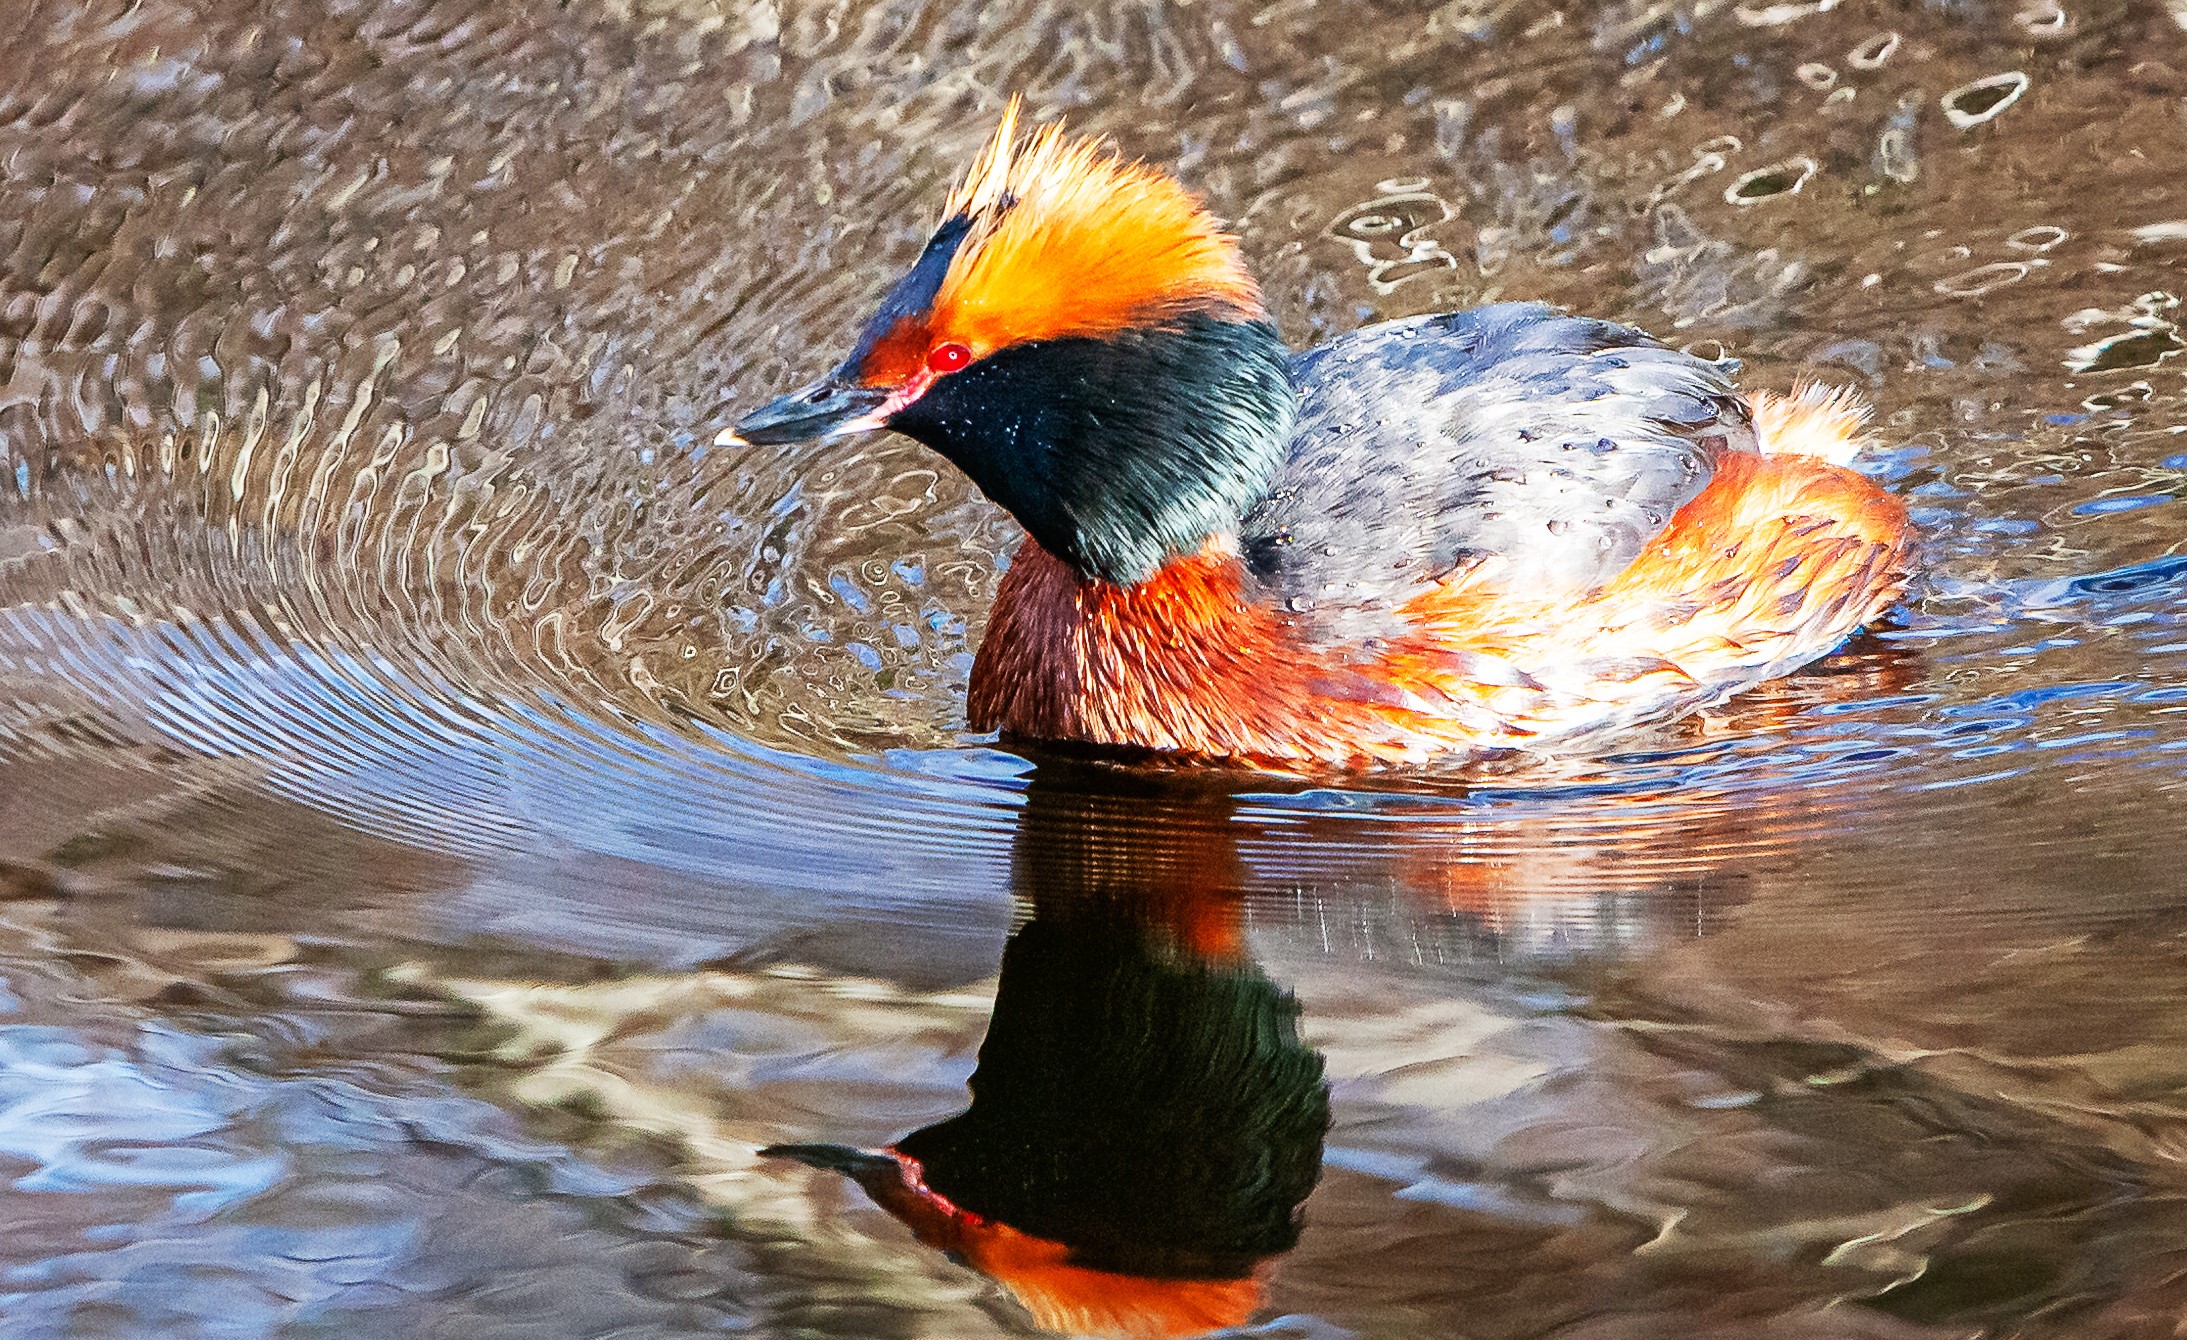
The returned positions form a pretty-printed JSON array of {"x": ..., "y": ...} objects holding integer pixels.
[{"x": 1557, "y": 444}]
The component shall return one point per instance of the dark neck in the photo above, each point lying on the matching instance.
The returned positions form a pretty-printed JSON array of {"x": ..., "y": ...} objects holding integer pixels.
[{"x": 1120, "y": 453}]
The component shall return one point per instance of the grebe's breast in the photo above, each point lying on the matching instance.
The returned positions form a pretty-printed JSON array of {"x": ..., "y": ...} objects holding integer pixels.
[{"x": 1559, "y": 444}]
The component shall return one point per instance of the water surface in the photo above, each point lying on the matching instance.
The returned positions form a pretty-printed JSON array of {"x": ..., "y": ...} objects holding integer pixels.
[{"x": 452, "y": 817}]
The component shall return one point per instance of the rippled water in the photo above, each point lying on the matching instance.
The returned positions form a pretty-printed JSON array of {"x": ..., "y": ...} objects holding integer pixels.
[{"x": 451, "y": 818}]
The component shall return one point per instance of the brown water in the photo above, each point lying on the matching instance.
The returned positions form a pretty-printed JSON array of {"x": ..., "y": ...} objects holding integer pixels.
[{"x": 451, "y": 818}]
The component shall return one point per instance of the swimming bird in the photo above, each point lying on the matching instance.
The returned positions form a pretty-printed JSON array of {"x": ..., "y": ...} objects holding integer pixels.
[{"x": 1442, "y": 538}]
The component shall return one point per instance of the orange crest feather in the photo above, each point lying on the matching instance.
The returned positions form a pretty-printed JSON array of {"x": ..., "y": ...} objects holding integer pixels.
[{"x": 1068, "y": 239}]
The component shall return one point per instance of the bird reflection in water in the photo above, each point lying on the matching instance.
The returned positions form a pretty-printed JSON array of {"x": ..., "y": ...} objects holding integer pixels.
[{"x": 1145, "y": 1122}]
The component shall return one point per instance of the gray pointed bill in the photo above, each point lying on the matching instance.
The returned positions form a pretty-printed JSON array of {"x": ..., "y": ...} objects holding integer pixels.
[{"x": 830, "y": 407}]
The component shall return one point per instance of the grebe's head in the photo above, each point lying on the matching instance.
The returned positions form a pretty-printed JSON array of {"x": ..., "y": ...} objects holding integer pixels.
[{"x": 1082, "y": 339}]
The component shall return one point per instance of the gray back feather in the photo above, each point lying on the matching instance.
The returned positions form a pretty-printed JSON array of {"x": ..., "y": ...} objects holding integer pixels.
[{"x": 1561, "y": 443}]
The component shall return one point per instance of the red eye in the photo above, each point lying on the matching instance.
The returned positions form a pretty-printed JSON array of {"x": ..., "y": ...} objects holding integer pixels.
[{"x": 948, "y": 358}]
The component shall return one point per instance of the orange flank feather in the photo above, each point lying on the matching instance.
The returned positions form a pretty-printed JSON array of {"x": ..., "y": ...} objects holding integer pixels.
[
  {"x": 1069, "y": 240},
  {"x": 1780, "y": 558}
]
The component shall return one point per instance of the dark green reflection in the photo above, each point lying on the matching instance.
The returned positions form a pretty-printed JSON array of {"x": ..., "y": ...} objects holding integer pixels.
[{"x": 1145, "y": 1122}]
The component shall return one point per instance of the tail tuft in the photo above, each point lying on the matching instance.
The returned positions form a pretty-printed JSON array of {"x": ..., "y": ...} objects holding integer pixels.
[{"x": 1828, "y": 423}]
